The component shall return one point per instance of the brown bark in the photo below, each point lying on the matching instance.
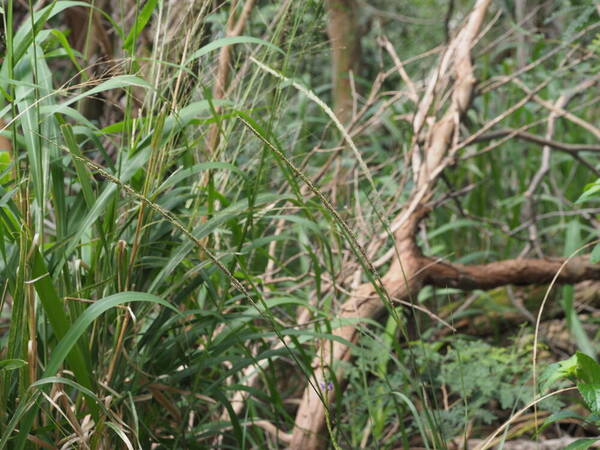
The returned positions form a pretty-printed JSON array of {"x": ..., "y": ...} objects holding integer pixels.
[
  {"x": 344, "y": 35},
  {"x": 520, "y": 272}
]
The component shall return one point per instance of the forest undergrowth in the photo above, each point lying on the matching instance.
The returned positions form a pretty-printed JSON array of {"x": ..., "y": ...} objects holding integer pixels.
[{"x": 299, "y": 224}]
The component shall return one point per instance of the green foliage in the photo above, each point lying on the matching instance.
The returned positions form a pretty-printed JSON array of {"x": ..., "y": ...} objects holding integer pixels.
[
  {"x": 480, "y": 384},
  {"x": 584, "y": 371},
  {"x": 478, "y": 374}
]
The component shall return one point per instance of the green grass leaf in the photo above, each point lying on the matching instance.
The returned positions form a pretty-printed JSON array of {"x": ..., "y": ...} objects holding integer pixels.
[
  {"x": 582, "y": 444},
  {"x": 140, "y": 23},
  {"x": 92, "y": 313},
  {"x": 70, "y": 339},
  {"x": 12, "y": 364},
  {"x": 223, "y": 42}
]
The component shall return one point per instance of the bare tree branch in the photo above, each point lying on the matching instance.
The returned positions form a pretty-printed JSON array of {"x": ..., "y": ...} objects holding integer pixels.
[
  {"x": 519, "y": 272},
  {"x": 562, "y": 146}
]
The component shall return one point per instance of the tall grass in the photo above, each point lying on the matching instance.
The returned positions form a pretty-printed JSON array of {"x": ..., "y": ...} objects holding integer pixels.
[{"x": 98, "y": 215}]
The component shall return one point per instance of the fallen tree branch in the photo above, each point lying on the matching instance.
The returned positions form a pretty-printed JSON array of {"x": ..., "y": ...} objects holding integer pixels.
[{"x": 519, "y": 272}]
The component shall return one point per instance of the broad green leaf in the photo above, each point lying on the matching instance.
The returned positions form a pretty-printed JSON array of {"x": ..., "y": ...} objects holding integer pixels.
[
  {"x": 70, "y": 112},
  {"x": 174, "y": 123},
  {"x": 591, "y": 396},
  {"x": 5, "y": 162},
  {"x": 415, "y": 415},
  {"x": 54, "y": 308},
  {"x": 177, "y": 177},
  {"x": 573, "y": 242},
  {"x": 573, "y": 238},
  {"x": 119, "y": 432},
  {"x": 68, "y": 382},
  {"x": 83, "y": 174},
  {"x": 581, "y": 337},
  {"x": 62, "y": 39},
  {"x": 189, "y": 112},
  {"x": 588, "y": 370},
  {"x": 304, "y": 224},
  {"x": 232, "y": 211},
  {"x": 92, "y": 214},
  {"x": 561, "y": 416},
  {"x": 558, "y": 371},
  {"x": 24, "y": 37}
]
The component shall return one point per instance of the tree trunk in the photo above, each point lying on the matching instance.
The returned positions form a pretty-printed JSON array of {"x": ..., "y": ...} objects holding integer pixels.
[{"x": 344, "y": 36}]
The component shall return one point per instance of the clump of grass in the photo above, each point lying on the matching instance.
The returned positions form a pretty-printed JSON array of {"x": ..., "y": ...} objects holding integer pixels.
[{"x": 132, "y": 259}]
